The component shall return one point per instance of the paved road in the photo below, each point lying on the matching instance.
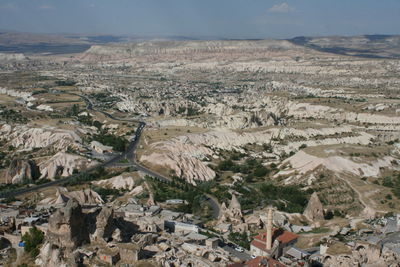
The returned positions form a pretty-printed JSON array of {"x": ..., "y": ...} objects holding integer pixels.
[
  {"x": 115, "y": 161},
  {"x": 245, "y": 255}
]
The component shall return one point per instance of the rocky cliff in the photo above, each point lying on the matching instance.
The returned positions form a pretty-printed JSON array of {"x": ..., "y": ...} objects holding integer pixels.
[{"x": 21, "y": 171}]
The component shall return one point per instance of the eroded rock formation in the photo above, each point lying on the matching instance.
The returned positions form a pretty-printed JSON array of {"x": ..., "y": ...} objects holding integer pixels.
[
  {"x": 67, "y": 227},
  {"x": 314, "y": 210},
  {"x": 21, "y": 171}
]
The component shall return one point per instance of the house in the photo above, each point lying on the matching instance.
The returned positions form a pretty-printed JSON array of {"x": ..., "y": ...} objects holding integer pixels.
[
  {"x": 296, "y": 253},
  {"x": 152, "y": 210},
  {"x": 132, "y": 210},
  {"x": 129, "y": 252},
  {"x": 170, "y": 215},
  {"x": 108, "y": 255},
  {"x": 281, "y": 242},
  {"x": 212, "y": 242},
  {"x": 195, "y": 238},
  {"x": 179, "y": 227},
  {"x": 150, "y": 224}
]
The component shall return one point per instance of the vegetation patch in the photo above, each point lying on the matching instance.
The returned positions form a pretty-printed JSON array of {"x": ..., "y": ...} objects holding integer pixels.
[{"x": 32, "y": 240}]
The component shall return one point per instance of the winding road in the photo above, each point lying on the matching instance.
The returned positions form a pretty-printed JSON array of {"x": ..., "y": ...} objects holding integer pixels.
[{"x": 128, "y": 154}]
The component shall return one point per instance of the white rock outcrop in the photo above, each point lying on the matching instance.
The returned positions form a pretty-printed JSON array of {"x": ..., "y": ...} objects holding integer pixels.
[
  {"x": 302, "y": 162},
  {"x": 117, "y": 182},
  {"x": 26, "y": 138},
  {"x": 44, "y": 108},
  {"x": 183, "y": 158},
  {"x": 63, "y": 164}
]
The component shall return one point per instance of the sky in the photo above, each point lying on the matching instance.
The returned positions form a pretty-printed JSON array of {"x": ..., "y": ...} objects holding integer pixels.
[{"x": 203, "y": 18}]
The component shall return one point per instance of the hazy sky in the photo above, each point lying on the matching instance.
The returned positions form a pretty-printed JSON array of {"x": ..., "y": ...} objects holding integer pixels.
[{"x": 219, "y": 18}]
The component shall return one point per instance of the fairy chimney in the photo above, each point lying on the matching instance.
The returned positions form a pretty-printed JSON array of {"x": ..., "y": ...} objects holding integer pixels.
[{"x": 314, "y": 210}]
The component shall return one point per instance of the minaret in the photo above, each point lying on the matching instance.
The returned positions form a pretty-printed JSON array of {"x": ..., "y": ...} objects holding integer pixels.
[{"x": 270, "y": 216}]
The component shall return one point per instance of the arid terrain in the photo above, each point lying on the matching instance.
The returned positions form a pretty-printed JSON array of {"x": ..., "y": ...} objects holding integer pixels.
[{"x": 310, "y": 126}]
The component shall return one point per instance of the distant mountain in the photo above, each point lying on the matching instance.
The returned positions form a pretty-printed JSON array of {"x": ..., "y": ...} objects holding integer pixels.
[
  {"x": 370, "y": 46},
  {"x": 18, "y": 42}
]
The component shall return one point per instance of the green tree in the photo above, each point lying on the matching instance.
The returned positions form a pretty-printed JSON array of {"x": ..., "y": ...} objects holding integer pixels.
[
  {"x": 226, "y": 165},
  {"x": 32, "y": 239},
  {"x": 329, "y": 215}
]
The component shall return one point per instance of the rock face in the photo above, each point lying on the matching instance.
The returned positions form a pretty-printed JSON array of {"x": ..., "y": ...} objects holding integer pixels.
[
  {"x": 25, "y": 96},
  {"x": 70, "y": 228},
  {"x": 117, "y": 182},
  {"x": 63, "y": 164},
  {"x": 27, "y": 138},
  {"x": 183, "y": 158},
  {"x": 67, "y": 227},
  {"x": 22, "y": 170},
  {"x": 87, "y": 196},
  {"x": 235, "y": 208},
  {"x": 50, "y": 256},
  {"x": 232, "y": 214},
  {"x": 303, "y": 162},
  {"x": 314, "y": 210},
  {"x": 104, "y": 225}
]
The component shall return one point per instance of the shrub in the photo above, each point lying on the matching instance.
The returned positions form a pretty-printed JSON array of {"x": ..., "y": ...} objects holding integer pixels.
[
  {"x": 65, "y": 83},
  {"x": 328, "y": 215},
  {"x": 261, "y": 171},
  {"x": 226, "y": 165}
]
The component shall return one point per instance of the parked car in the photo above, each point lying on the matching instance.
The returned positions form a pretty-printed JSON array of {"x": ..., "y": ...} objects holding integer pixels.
[
  {"x": 231, "y": 245},
  {"x": 239, "y": 249}
]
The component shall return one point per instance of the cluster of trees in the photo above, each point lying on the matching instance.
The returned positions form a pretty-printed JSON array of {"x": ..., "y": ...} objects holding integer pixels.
[
  {"x": 394, "y": 183},
  {"x": 252, "y": 167},
  {"x": 87, "y": 120},
  {"x": 105, "y": 192},
  {"x": 291, "y": 198},
  {"x": 241, "y": 239},
  {"x": 180, "y": 189},
  {"x": 118, "y": 143},
  {"x": 285, "y": 198},
  {"x": 105, "y": 97},
  {"x": 189, "y": 111},
  {"x": 73, "y": 111},
  {"x": 12, "y": 116},
  {"x": 328, "y": 215},
  {"x": 65, "y": 83},
  {"x": 32, "y": 240},
  {"x": 8, "y": 188}
]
